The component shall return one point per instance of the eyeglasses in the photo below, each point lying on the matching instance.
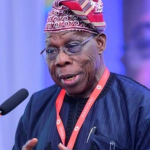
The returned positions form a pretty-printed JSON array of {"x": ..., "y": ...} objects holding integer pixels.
[{"x": 69, "y": 49}]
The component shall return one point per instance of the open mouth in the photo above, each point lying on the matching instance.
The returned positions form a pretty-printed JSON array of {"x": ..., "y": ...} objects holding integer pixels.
[{"x": 69, "y": 78}]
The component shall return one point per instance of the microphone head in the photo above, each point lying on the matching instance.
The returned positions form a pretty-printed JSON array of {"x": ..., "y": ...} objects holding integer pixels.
[{"x": 13, "y": 101}]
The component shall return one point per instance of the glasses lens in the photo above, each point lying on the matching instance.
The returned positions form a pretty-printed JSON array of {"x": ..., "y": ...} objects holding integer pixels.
[
  {"x": 50, "y": 54},
  {"x": 73, "y": 49}
]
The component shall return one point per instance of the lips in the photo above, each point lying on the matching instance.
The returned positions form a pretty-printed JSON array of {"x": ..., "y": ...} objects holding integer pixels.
[{"x": 69, "y": 79}]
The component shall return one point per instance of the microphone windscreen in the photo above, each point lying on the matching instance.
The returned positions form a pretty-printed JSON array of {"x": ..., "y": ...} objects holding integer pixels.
[{"x": 13, "y": 101}]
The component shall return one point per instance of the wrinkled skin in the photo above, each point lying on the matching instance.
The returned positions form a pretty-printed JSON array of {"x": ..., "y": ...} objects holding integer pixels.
[{"x": 88, "y": 65}]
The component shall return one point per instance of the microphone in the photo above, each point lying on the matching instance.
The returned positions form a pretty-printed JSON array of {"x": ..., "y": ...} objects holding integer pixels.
[{"x": 13, "y": 101}]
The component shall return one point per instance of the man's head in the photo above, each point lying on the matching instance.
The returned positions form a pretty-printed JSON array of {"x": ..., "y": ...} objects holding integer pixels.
[{"x": 74, "y": 48}]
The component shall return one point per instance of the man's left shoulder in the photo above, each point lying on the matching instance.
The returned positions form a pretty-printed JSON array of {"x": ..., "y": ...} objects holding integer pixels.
[
  {"x": 131, "y": 88},
  {"x": 137, "y": 96},
  {"x": 130, "y": 83}
]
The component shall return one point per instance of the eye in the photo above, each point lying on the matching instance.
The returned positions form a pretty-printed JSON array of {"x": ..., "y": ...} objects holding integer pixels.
[
  {"x": 51, "y": 50},
  {"x": 72, "y": 45}
]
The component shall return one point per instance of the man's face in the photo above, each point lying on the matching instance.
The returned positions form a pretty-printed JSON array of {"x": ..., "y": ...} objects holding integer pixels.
[{"x": 76, "y": 73}]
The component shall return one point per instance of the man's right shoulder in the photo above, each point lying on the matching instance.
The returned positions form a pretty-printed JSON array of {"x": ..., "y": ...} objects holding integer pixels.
[
  {"x": 50, "y": 89},
  {"x": 46, "y": 94}
]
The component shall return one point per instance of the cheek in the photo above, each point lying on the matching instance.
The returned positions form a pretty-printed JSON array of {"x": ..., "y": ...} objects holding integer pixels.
[
  {"x": 92, "y": 60},
  {"x": 51, "y": 68},
  {"x": 93, "y": 64},
  {"x": 52, "y": 71},
  {"x": 89, "y": 63}
]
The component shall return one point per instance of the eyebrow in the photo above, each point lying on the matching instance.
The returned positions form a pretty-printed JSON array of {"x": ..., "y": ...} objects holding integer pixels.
[{"x": 74, "y": 33}]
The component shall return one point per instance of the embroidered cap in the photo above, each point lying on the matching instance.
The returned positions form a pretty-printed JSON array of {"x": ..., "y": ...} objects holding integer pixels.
[{"x": 82, "y": 15}]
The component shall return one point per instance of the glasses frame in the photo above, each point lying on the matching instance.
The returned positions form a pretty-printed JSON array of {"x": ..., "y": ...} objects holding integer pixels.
[{"x": 64, "y": 47}]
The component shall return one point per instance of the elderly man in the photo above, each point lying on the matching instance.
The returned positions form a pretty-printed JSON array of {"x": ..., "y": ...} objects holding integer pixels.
[{"x": 88, "y": 108}]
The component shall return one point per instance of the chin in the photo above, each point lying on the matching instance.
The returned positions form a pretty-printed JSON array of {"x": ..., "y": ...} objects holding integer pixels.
[{"x": 73, "y": 92}]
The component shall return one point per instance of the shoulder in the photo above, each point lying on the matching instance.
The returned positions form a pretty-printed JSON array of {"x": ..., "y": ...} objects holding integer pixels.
[
  {"x": 130, "y": 86},
  {"x": 54, "y": 89},
  {"x": 40, "y": 101},
  {"x": 134, "y": 96},
  {"x": 45, "y": 96}
]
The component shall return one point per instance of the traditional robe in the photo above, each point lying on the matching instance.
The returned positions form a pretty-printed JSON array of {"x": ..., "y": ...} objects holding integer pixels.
[{"x": 121, "y": 115}]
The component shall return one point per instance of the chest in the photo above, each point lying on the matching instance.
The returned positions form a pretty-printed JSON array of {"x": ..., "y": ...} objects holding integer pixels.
[{"x": 111, "y": 128}]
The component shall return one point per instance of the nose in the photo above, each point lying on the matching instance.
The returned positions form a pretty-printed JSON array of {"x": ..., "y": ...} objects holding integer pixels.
[{"x": 63, "y": 59}]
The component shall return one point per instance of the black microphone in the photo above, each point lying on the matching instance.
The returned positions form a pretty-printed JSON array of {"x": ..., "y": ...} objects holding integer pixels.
[{"x": 13, "y": 101}]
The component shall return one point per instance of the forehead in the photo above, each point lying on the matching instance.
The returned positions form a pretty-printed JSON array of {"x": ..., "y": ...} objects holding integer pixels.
[
  {"x": 66, "y": 33},
  {"x": 64, "y": 36}
]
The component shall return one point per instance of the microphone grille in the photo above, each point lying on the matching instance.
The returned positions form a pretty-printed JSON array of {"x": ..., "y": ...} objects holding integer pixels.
[{"x": 13, "y": 101}]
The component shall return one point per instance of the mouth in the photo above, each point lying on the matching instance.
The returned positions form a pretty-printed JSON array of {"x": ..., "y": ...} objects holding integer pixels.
[{"x": 70, "y": 79}]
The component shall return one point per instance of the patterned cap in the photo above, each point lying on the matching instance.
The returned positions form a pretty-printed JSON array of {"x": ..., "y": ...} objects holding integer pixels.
[{"x": 78, "y": 15}]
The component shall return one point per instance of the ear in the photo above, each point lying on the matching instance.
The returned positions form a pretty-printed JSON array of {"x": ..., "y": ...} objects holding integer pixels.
[{"x": 101, "y": 42}]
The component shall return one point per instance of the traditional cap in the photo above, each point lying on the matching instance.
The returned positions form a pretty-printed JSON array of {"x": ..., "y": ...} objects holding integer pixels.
[{"x": 80, "y": 15}]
